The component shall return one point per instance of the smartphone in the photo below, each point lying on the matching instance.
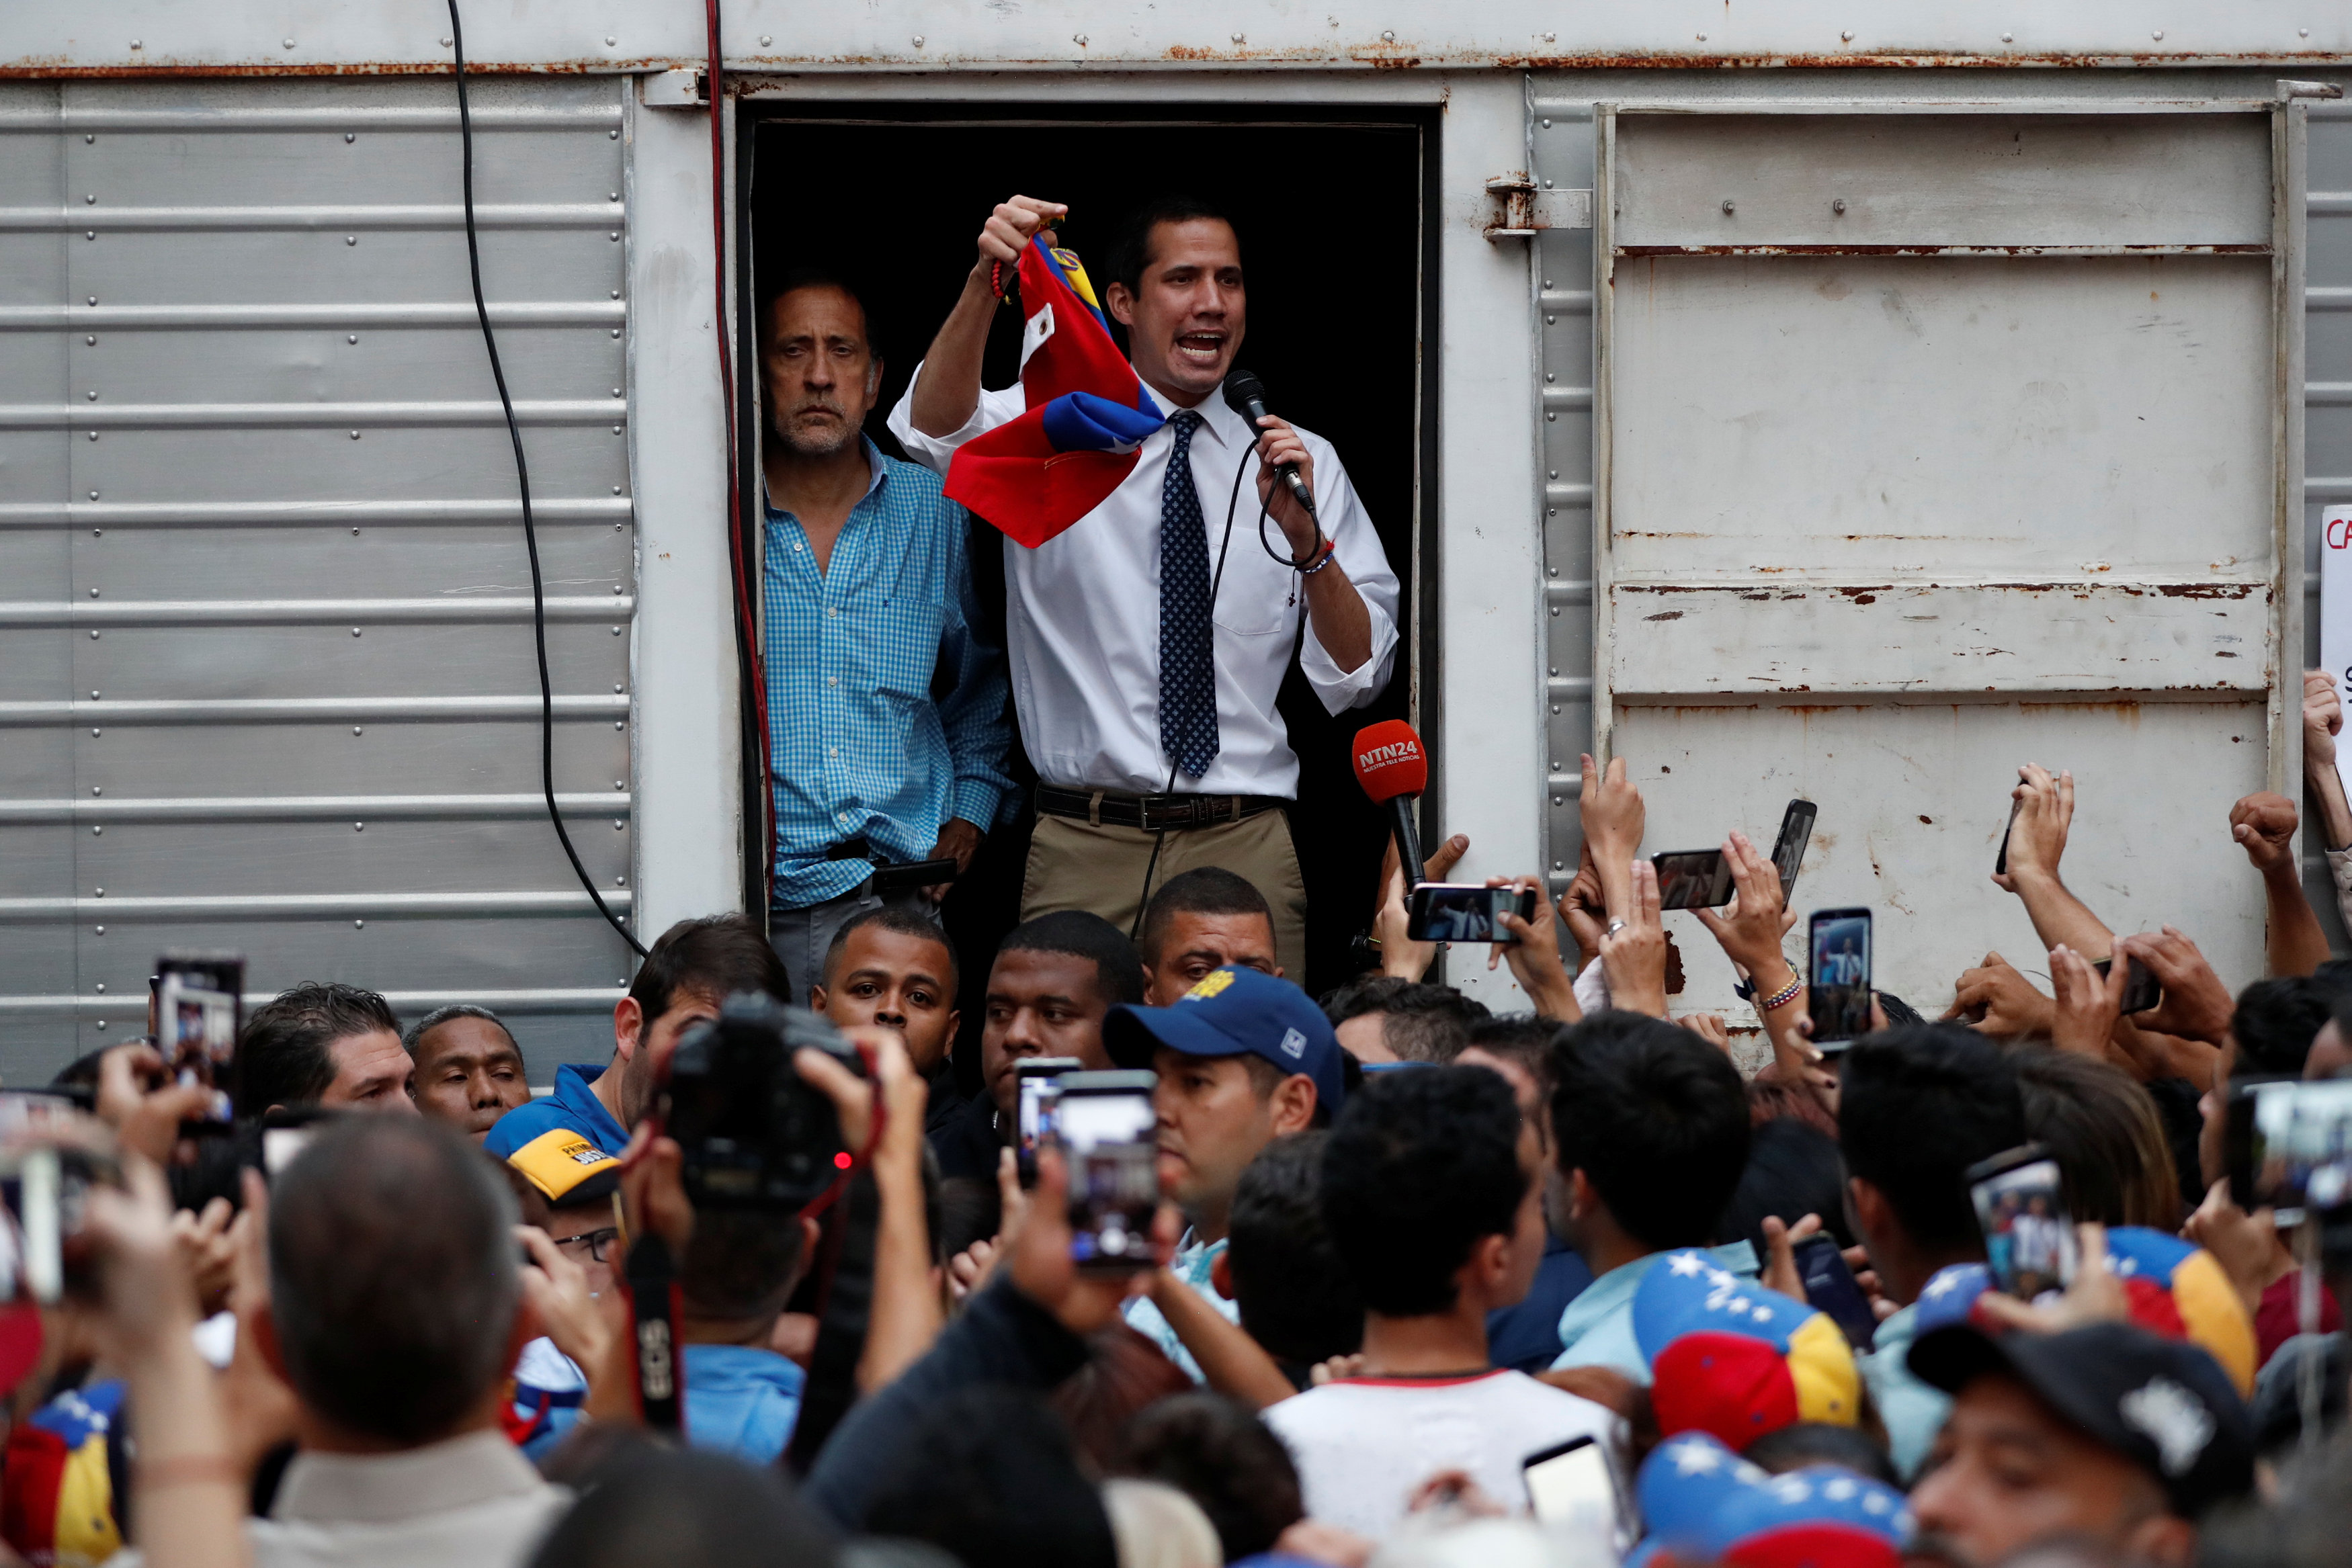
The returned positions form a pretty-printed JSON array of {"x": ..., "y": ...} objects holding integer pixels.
[
  {"x": 1830, "y": 1285},
  {"x": 44, "y": 1191},
  {"x": 2000, "y": 860},
  {"x": 1459, "y": 912},
  {"x": 1574, "y": 1487},
  {"x": 1693, "y": 878},
  {"x": 2288, "y": 1144},
  {"x": 1789, "y": 848},
  {"x": 1104, "y": 1124},
  {"x": 1034, "y": 1095},
  {"x": 1837, "y": 974},
  {"x": 2141, "y": 991},
  {"x": 2029, "y": 1236},
  {"x": 199, "y": 1010}
]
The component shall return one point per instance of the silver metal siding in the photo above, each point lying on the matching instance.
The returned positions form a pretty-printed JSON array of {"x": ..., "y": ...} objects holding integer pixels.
[
  {"x": 2327, "y": 403},
  {"x": 266, "y": 668}
]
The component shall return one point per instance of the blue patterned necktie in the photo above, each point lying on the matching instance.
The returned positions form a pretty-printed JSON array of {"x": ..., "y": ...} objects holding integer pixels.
[{"x": 1188, "y": 680}]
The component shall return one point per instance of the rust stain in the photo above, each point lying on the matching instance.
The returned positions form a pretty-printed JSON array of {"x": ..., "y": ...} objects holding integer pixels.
[
  {"x": 1654, "y": 250},
  {"x": 1665, "y": 615},
  {"x": 2210, "y": 590}
]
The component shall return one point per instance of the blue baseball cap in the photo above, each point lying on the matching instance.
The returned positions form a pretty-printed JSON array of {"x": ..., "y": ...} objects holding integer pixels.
[{"x": 1234, "y": 1012}]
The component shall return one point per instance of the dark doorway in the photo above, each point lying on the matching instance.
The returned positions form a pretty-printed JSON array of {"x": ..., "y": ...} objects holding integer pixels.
[{"x": 1342, "y": 300}]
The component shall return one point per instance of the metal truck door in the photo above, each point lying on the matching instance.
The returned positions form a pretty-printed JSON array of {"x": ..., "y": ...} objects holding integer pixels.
[{"x": 1931, "y": 440}]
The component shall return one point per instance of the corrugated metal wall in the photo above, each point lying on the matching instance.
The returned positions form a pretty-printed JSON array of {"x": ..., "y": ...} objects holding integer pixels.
[
  {"x": 2327, "y": 402},
  {"x": 265, "y": 667}
]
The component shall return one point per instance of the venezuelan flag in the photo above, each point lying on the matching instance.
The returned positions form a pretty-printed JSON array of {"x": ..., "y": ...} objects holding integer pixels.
[{"x": 1036, "y": 476}]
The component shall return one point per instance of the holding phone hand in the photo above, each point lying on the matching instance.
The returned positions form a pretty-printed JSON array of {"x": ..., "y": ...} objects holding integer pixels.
[
  {"x": 1994, "y": 999},
  {"x": 2037, "y": 834},
  {"x": 2088, "y": 1002},
  {"x": 1534, "y": 957},
  {"x": 1750, "y": 927},
  {"x": 2196, "y": 1005},
  {"x": 2095, "y": 1296}
]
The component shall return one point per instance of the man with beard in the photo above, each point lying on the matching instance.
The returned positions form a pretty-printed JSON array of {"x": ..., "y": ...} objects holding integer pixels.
[{"x": 867, "y": 613}]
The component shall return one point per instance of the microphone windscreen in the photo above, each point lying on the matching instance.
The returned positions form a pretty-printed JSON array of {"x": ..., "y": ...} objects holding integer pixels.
[
  {"x": 1390, "y": 761},
  {"x": 1241, "y": 389}
]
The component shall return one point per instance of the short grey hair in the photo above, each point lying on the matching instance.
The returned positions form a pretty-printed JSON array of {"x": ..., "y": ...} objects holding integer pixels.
[
  {"x": 439, "y": 1015},
  {"x": 392, "y": 1276}
]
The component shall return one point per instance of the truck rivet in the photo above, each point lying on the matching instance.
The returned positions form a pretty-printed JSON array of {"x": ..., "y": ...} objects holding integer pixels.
[
  {"x": 1729, "y": 208},
  {"x": 1388, "y": 37},
  {"x": 1846, "y": 37},
  {"x": 1079, "y": 39},
  {"x": 359, "y": 827},
  {"x": 359, "y": 925},
  {"x": 1238, "y": 38},
  {"x": 350, "y": 239},
  {"x": 2157, "y": 34},
  {"x": 355, "y": 630},
  {"x": 350, "y": 337},
  {"x": 93, "y": 593},
  {"x": 765, "y": 40},
  {"x": 610, "y": 40},
  {"x": 102, "y": 930},
  {"x": 351, "y": 136},
  {"x": 355, "y": 729},
  {"x": 289, "y": 43},
  {"x": 98, "y": 829},
  {"x": 1838, "y": 205},
  {"x": 134, "y": 43},
  {"x": 2007, "y": 38},
  {"x": 91, "y": 339},
  {"x": 919, "y": 40}
]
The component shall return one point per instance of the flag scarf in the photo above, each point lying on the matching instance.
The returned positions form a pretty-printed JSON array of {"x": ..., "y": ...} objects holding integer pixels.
[{"x": 1036, "y": 476}]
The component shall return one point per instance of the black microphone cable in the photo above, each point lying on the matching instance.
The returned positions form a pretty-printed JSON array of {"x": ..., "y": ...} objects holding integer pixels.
[{"x": 522, "y": 483}]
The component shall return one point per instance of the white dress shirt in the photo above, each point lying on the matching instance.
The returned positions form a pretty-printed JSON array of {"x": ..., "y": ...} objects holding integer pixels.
[{"x": 1082, "y": 613}]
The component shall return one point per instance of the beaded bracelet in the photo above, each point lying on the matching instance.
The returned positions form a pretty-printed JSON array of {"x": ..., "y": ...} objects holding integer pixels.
[
  {"x": 1322, "y": 558},
  {"x": 1783, "y": 998}
]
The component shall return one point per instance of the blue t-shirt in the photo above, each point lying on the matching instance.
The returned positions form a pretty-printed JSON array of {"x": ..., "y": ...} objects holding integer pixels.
[
  {"x": 573, "y": 1107},
  {"x": 742, "y": 1400},
  {"x": 1526, "y": 1337}
]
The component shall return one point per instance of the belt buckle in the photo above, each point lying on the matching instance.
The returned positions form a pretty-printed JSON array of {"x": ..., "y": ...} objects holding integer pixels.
[{"x": 1163, "y": 814}]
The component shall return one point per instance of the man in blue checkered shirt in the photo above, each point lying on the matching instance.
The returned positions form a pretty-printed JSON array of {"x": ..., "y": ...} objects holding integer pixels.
[{"x": 887, "y": 718}]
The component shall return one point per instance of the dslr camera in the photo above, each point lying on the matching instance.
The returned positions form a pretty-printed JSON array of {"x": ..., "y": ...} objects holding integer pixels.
[{"x": 754, "y": 1134}]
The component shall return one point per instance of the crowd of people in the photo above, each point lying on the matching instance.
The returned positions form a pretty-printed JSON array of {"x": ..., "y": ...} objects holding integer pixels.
[
  {"x": 1422, "y": 1284},
  {"x": 1409, "y": 1255}
]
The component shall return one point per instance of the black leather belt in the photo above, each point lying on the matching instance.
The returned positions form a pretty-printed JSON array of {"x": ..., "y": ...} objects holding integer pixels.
[{"x": 1152, "y": 813}]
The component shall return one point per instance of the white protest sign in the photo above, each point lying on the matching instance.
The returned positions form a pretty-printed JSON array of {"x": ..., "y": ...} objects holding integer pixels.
[{"x": 2335, "y": 615}]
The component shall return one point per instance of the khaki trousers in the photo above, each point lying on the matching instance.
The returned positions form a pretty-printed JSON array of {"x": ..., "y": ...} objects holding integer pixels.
[{"x": 1073, "y": 865}]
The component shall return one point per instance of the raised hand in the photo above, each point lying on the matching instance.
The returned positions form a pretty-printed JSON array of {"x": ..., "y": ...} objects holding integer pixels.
[
  {"x": 2088, "y": 1003},
  {"x": 1633, "y": 950},
  {"x": 1750, "y": 926},
  {"x": 2263, "y": 825},
  {"x": 1995, "y": 999}
]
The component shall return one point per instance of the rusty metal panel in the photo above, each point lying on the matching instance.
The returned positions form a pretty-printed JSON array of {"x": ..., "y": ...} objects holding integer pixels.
[
  {"x": 1949, "y": 512},
  {"x": 291, "y": 705},
  {"x": 950, "y": 34},
  {"x": 1992, "y": 179},
  {"x": 2076, "y": 417}
]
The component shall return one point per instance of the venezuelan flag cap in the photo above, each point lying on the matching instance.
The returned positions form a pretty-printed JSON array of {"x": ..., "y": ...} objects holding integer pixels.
[
  {"x": 1702, "y": 1503},
  {"x": 1729, "y": 1357},
  {"x": 567, "y": 1167},
  {"x": 2175, "y": 1288}
]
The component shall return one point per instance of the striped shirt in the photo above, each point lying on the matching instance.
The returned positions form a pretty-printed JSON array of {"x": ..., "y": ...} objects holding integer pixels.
[{"x": 858, "y": 743}]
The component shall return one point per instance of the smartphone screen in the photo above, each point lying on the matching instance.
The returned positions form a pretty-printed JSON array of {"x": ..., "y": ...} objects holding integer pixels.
[
  {"x": 1837, "y": 974},
  {"x": 2295, "y": 1151},
  {"x": 2020, "y": 1207},
  {"x": 1106, "y": 1123},
  {"x": 1693, "y": 878},
  {"x": 1034, "y": 1094},
  {"x": 199, "y": 1008},
  {"x": 1573, "y": 1486},
  {"x": 1461, "y": 912},
  {"x": 1789, "y": 848},
  {"x": 1830, "y": 1286}
]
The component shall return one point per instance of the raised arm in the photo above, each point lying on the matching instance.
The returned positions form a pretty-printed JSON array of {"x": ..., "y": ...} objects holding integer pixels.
[
  {"x": 2037, "y": 839},
  {"x": 947, "y": 389},
  {"x": 2263, "y": 825}
]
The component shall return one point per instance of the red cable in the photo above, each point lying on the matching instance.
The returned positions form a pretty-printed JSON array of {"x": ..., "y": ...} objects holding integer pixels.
[{"x": 746, "y": 621}]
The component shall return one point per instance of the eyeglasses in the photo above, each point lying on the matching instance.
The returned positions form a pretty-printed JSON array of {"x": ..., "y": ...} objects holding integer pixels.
[{"x": 593, "y": 1241}]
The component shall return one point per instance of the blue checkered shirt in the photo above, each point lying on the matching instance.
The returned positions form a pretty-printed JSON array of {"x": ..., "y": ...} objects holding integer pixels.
[{"x": 857, "y": 746}]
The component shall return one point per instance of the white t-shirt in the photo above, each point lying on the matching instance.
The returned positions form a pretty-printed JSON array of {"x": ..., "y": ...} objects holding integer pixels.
[{"x": 1364, "y": 1444}]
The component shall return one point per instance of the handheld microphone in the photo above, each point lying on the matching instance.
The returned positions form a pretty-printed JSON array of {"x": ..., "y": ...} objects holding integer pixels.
[
  {"x": 1393, "y": 769},
  {"x": 1246, "y": 395}
]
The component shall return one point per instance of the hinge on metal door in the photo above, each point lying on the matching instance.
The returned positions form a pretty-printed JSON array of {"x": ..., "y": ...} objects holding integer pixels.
[
  {"x": 1527, "y": 206},
  {"x": 682, "y": 89}
]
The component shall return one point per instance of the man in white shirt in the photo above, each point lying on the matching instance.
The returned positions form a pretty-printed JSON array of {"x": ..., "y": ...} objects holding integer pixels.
[
  {"x": 1148, "y": 642},
  {"x": 1433, "y": 1195}
]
